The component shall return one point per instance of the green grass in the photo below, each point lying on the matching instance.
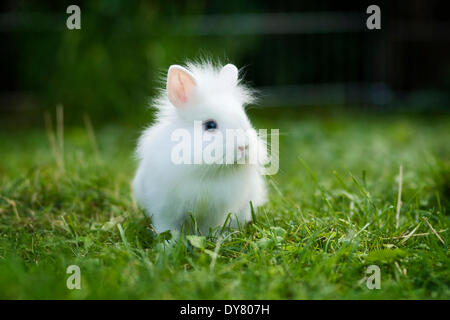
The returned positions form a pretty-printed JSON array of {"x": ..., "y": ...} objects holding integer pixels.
[{"x": 332, "y": 213}]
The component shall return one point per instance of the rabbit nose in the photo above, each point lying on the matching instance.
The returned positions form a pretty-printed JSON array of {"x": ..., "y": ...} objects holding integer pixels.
[{"x": 241, "y": 148}]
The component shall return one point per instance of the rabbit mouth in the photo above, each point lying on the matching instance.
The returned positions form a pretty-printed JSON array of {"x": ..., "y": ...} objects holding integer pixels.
[{"x": 241, "y": 155}]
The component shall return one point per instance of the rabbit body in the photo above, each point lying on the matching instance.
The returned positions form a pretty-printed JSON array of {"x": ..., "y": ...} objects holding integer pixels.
[{"x": 170, "y": 191}]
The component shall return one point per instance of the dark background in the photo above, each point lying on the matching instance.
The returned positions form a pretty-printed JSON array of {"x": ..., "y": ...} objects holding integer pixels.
[{"x": 303, "y": 54}]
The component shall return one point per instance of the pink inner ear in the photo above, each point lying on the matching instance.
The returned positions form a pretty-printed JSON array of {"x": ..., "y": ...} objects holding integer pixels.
[
  {"x": 180, "y": 86},
  {"x": 181, "y": 94}
]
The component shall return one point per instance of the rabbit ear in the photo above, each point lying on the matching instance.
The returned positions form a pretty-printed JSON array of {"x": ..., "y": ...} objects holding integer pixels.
[
  {"x": 229, "y": 73},
  {"x": 180, "y": 85}
]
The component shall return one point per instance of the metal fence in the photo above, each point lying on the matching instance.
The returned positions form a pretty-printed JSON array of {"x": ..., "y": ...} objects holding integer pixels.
[{"x": 304, "y": 53}]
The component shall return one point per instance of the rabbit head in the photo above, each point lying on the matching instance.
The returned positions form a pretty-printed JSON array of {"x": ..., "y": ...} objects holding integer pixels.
[{"x": 208, "y": 100}]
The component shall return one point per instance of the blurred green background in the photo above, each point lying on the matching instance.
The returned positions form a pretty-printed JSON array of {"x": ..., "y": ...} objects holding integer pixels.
[
  {"x": 306, "y": 54},
  {"x": 352, "y": 105}
]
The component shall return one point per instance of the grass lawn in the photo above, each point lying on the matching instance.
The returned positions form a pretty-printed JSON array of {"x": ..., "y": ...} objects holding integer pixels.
[{"x": 332, "y": 213}]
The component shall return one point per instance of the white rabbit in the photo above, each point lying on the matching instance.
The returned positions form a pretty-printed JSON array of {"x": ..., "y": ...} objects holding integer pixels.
[{"x": 211, "y": 100}]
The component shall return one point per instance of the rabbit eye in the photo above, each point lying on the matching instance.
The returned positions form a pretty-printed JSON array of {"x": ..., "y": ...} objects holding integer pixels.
[{"x": 210, "y": 125}]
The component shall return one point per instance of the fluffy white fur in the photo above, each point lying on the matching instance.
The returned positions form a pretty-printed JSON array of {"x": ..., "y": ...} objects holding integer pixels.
[{"x": 168, "y": 192}]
